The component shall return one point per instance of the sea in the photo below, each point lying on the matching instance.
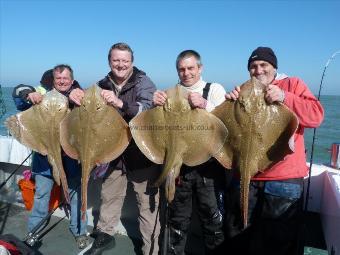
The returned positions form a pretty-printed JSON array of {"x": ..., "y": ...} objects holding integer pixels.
[{"x": 327, "y": 134}]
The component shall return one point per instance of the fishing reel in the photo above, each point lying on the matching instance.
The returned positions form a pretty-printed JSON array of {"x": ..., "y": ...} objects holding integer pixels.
[{"x": 31, "y": 239}]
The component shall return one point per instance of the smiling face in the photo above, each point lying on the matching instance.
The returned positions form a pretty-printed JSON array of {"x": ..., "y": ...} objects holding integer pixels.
[
  {"x": 263, "y": 71},
  {"x": 189, "y": 71},
  {"x": 121, "y": 65},
  {"x": 62, "y": 80}
]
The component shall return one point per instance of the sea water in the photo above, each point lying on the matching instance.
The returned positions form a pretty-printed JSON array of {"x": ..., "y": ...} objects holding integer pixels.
[{"x": 325, "y": 135}]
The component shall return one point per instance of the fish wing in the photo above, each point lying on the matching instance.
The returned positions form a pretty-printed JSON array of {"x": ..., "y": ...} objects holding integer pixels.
[{"x": 260, "y": 134}]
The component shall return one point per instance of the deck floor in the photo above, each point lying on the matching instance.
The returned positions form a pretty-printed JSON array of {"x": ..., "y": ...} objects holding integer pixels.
[{"x": 56, "y": 238}]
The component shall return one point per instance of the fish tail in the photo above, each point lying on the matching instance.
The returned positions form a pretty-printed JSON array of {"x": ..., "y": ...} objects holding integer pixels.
[
  {"x": 244, "y": 196},
  {"x": 59, "y": 175},
  {"x": 84, "y": 183},
  {"x": 170, "y": 186}
]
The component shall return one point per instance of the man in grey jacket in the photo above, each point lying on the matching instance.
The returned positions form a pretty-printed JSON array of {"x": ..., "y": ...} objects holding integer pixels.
[{"x": 130, "y": 91}]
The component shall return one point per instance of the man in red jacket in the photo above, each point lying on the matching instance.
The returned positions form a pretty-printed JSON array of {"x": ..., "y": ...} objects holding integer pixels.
[{"x": 275, "y": 198}]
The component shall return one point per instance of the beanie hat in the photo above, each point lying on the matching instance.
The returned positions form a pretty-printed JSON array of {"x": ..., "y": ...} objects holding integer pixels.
[
  {"x": 265, "y": 54},
  {"x": 47, "y": 79}
]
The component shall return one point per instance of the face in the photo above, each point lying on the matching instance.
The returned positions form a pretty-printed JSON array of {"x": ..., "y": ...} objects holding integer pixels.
[
  {"x": 121, "y": 64},
  {"x": 263, "y": 71},
  {"x": 62, "y": 80},
  {"x": 189, "y": 72}
]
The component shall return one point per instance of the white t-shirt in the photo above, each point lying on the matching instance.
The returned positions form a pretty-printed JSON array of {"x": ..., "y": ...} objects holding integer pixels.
[{"x": 215, "y": 96}]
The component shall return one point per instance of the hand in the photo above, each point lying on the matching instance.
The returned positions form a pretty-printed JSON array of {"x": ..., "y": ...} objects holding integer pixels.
[
  {"x": 34, "y": 97},
  {"x": 76, "y": 96},
  {"x": 196, "y": 100},
  {"x": 110, "y": 98},
  {"x": 233, "y": 95},
  {"x": 159, "y": 98},
  {"x": 274, "y": 94}
]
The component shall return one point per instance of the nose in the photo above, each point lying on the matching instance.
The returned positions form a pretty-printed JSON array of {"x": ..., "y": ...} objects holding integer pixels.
[{"x": 258, "y": 70}]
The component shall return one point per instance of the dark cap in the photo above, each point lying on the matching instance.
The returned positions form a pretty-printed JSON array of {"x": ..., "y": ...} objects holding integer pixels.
[
  {"x": 265, "y": 54},
  {"x": 47, "y": 79}
]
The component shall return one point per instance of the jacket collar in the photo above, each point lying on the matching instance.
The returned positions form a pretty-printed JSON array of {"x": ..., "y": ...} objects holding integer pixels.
[{"x": 133, "y": 80}]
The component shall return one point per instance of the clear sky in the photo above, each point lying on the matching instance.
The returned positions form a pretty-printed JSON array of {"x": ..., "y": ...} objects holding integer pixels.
[{"x": 37, "y": 35}]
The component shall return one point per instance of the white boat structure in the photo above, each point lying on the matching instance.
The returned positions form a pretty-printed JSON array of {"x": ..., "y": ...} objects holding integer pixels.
[{"x": 324, "y": 196}]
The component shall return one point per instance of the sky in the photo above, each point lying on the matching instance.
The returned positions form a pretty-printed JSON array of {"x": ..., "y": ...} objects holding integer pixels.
[{"x": 37, "y": 35}]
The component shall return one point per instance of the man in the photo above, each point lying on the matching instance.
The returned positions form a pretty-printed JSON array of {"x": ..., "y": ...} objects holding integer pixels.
[
  {"x": 200, "y": 180},
  {"x": 130, "y": 91},
  {"x": 61, "y": 78},
  {"x": 275, "y": 196}
]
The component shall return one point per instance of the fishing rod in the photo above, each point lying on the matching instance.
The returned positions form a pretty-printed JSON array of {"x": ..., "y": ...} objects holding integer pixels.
[
  {"x": 34, "y": 235},
  {"x": 4, "y": 183},
  {"x": 314, "y": 131}
]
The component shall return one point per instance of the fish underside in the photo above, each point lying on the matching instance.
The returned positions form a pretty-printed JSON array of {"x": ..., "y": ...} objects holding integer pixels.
[
  {"x": 176, "y": 134},
  {"x": 93, "y": 133},
  {"x": 260, "y": 134}
]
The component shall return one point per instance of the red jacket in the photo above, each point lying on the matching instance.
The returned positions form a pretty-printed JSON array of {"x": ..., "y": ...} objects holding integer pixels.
[{"x": 309, "y": 111}]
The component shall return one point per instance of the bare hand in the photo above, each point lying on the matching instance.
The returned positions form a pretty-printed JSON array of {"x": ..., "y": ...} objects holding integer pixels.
[
  {"x": 233, "y": 95},
  {"x": 111, "y": 98},
  {"x": 196, "y": 100},
  {"x": 76, "y": 96},
  {"x": 34, "y": 97},
  {"x": 274, "y": 94},
  {"x": 159, "y": 98}
]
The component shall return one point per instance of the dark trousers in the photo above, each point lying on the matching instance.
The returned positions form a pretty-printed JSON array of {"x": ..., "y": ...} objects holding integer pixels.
[
  {"x": 201, "y": 183},
  {"x": 275, "y": 216}
]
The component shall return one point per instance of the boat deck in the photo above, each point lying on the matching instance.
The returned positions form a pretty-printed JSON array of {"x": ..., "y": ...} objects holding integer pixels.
[{"x": 56, "y": 239}]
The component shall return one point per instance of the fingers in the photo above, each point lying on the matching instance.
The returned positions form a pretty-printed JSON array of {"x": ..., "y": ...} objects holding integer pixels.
[
  {"x": 76, "y": 96},
  {"x": 35, "y": 97},
  {"x": 111, "y": 98},
  {"x": 234, "y": 94},
  {"x": 274, "y": 94},
  {"x": 196, "y": 100},
  {"x": 108, "y": 96},
  {"x": 159, "y": 98}
]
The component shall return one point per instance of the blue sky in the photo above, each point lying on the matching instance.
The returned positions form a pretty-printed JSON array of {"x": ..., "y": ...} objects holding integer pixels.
[{"x": 37, "y": 35}]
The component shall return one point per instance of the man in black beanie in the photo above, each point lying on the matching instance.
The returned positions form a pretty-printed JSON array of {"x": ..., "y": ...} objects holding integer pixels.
[{"x": 276, "y": 193}]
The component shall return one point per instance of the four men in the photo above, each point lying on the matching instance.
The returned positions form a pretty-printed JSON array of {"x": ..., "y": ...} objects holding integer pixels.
[{"x": 272, "y": 231}]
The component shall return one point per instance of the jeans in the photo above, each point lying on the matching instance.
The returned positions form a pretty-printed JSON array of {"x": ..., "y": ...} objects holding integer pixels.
[{"x": 43, "y": 187}]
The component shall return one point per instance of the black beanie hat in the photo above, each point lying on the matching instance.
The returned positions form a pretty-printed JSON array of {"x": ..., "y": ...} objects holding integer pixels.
[
  {"x": 47, "y": 79},
  {"x": 265, "y": 54}
]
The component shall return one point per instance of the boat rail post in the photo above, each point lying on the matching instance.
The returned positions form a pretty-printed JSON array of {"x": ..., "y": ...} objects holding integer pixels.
[{"x": 15, "y": 170}]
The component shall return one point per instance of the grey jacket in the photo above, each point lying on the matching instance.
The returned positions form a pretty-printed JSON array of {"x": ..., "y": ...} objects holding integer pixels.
[{"x": 136, "y": 95}]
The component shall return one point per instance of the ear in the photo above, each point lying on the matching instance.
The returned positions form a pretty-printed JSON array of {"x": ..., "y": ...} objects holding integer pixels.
[{"x": 200, "y": 69}]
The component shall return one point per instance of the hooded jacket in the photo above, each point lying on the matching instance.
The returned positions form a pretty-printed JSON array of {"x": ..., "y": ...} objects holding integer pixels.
[{"x": 310, "y": 113}]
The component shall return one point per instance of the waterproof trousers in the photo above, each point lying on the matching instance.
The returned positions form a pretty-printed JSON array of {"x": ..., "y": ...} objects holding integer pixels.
[
  {"x": 202, "y": 184},
  {"x": 113, "y": 194},
  {"x": 274, "y": 219}
]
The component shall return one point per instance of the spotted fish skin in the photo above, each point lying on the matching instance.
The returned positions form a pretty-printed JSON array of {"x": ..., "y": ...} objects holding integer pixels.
[
  {"x": 94, "y": 133},
  {"x": 260, "y": 134},
  {"x": 39, "y": 129},
  {"x": 175, "y": 134}
]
